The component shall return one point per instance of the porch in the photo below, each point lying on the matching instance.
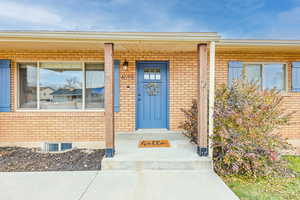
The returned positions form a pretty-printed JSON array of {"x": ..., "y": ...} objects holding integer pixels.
[
  {"x": 181, "y": 155},
  {"x": 190, "y": 58},
  {"x": 146, "y": 74}
]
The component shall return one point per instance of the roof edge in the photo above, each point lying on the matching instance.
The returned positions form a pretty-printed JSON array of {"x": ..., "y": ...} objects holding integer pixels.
[
  {"x": 259, "y": 42},
  {"x": 109, "y": 36}
]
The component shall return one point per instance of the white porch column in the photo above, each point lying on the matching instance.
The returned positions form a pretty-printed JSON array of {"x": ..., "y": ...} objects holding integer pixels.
[{"x": 211, "y": 94}]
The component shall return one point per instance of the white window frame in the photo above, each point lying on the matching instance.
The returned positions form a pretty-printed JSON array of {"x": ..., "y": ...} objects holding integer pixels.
[
  {"x": 46, "y": 147},
  {"x": 285, "y": 90},
  {"x": 83, "y": 109}
]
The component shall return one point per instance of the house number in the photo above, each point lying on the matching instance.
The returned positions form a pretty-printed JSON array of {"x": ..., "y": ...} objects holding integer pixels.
[{"x": 126, "y": 76}]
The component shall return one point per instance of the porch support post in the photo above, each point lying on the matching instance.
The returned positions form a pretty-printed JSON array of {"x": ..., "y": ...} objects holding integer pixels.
[
  {"x": 212, "y": 53},
  {"x": 109, "y": 100},
  {"x": 202, "y": 148}
]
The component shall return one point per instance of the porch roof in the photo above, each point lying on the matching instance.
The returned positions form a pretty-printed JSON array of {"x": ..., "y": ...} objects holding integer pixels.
[
  {"x": 134, "y": 41},
  {"x": 108, "y": 36},
  {"x": 124, "y": 41},
  {"x": 249, "y": 45}
]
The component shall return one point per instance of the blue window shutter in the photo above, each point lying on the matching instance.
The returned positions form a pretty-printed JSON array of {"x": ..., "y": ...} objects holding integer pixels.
[
  {"x": 235, "y": 70},
  {"x": 296, "y": 76},
  {"x": 4, "y": 85},
  {"x": 117, "y": 85}
]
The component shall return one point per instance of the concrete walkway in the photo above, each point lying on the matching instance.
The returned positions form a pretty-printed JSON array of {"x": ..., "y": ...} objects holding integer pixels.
[
  {"x": 175, "y": 173},
  {"x": 114, "y": 185}
]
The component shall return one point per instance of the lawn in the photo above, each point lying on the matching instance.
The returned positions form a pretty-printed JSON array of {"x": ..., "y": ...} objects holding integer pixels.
[{"x": 268, "y": 188}]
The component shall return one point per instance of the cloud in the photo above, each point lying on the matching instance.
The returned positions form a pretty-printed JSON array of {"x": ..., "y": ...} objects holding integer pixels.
[
  {"x": 28, "y": 13},
  {"x": 93, "y": 15},
  {"x": 231, "y": 18},
  {"x": 286, "y": 25}
]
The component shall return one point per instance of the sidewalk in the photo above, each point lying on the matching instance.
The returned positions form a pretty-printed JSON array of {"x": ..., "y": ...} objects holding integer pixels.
[{"x": 114, "y": 185}]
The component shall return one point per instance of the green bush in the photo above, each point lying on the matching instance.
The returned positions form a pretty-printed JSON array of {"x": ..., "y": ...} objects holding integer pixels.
[{"x": 245, "y": 140}]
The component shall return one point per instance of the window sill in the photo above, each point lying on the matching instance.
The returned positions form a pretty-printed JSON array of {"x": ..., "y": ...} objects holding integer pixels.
[{"x": 61, "y": 110}]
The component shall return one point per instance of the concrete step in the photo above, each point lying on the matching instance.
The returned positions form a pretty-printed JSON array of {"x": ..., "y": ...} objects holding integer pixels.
[
  {"x": 158, "y": 164},
  {"x": 181, "y": 155}
]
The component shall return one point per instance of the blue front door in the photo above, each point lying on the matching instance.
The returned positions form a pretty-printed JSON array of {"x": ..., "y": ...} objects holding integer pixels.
[{"x": 152, "y": 95}]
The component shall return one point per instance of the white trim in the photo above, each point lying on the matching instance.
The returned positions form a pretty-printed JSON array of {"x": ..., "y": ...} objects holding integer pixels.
[
  {"x": 46, "y": 147},
  {"x": 17, "y": 86},
  {"x": 83, "y": 85},
  {"x": 48, "y": 36},
  {"x": 62, "y": 110},
  {"x": 233, "y": 42},
  {"x": 103, "y": 37},
  {"x": 59, "y": 61},
  {"x": 212, "y": 53},
  {"x": 38, "y": 86}
]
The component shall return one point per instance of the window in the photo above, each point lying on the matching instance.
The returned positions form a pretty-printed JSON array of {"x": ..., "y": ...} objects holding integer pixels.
[
  {"x": 94, "y": 85},
  {"x": 151, "y": 74},
  {"x": 296, "y": 76},
  {"x": 268, "y": 76},
  {"x": 52, "y": 147},
  {"x": 61, "y": 85},
  {"x": 65, "y": 146},
  {"x": 55, "y": 147},
  {"x": 28, "y": 85},
  {"x": 65, "y": 81}
]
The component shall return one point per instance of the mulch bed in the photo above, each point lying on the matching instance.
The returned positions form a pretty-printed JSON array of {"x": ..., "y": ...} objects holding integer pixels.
[{"x": 18, "y": 159}]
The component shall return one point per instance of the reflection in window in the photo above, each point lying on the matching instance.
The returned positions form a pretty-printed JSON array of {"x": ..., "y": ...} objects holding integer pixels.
[
  {"x": 27, "y": 85},
  {"x": 273, "y": 76},
  {"x": 253, "y": 73},
  {"x": 94, "y": 85},
  {"x": 268, "y": 76},
  {"x": 63, "y": 83}
]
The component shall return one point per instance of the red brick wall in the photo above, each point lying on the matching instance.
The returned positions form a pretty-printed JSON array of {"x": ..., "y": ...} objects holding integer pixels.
[
  {"x": 38, "y": 126},
  {"x": 291, "y": 99},
  {"x": 182, "y": 84},
  {"x": 85, "y": 126}
]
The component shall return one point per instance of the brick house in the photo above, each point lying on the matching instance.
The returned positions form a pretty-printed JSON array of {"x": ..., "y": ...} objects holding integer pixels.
[{"x": 148, "y": 78}]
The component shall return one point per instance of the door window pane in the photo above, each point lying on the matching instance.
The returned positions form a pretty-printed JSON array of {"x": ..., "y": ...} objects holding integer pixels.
[
  {"x": 94, "y": 85},
  {"x": 253, "y": 73},
  {"x": 61, "y": 85},
  {"x": 152, "y": 74},
  {"x": 273, "y": 76},
  {"x": 27, "y": 85}
]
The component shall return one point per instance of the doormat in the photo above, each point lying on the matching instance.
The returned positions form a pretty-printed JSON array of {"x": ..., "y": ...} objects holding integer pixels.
[{"x": 154, "y": 143}]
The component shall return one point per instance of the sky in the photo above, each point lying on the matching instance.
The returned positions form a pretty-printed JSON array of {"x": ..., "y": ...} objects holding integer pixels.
[{"x": 236, "y": 19}]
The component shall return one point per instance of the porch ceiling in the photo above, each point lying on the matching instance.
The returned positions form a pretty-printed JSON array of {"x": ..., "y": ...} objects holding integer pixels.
[{"x": 135, "y": 46}]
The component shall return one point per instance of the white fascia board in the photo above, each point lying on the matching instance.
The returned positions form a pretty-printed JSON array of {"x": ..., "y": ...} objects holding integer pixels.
[
  {"x": 232, "y": 42},
  {"x": 108, "y": 36}
]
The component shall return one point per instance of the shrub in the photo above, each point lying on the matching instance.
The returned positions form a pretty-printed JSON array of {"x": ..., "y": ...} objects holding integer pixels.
[
  {"x": 190, "y": 123},
  {"x": 245, "y": 140}
]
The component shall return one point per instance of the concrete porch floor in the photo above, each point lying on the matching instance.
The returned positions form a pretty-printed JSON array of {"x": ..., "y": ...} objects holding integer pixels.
[{"x": 181, "y": 155}]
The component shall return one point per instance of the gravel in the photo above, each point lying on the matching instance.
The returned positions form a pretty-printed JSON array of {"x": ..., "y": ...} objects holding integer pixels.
[{"x": 18, "y": 159}]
